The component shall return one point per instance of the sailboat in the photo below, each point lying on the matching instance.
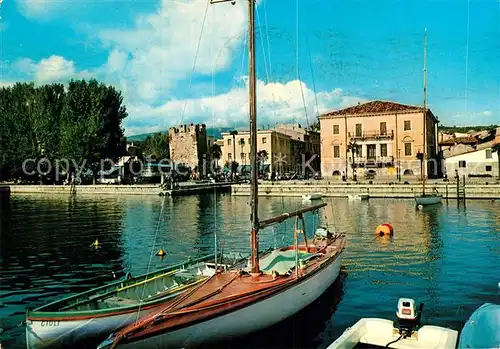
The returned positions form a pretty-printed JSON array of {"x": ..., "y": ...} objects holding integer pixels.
[
  {"x": 272, "y": 287},
  {"x": 426, "y": 198}
]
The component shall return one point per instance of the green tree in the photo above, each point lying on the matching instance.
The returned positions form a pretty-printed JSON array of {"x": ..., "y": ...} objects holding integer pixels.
[
  {"x": 16, "y": 136},
  {"x": 91, "y": 124},
  {"x": 156, "y": 146},
  {"x": 215, "y": 154}
]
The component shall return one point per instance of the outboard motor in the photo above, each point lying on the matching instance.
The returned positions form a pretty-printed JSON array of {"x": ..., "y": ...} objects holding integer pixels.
[{"x": 408, "y": 317}]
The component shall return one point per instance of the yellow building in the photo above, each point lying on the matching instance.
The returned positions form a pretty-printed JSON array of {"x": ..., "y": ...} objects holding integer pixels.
[
  {"x": 385, "y": 136},
  {"x": 276, "y": 145}
]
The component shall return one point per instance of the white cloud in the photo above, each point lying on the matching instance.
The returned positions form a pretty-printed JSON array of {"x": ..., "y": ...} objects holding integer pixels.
[
  {"x": 36, "y": 8},
  {"x": 159, "y": 51},
  {"x": 277, "y": 102},
  {"x": 51, "y": 69},
  {"x": 485, "y": 113}
]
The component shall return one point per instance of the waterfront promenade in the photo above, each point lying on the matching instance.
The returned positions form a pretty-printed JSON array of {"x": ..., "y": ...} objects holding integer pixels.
[
  {"x": 185, "y": 188},
  {"x": 474, "y": 190}
]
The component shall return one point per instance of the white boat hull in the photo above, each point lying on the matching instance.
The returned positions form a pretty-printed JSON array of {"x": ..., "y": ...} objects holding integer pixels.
[
  {"x": 314, "y": 196},
  {"x": 428, "y": 200},
  {"x": 252, "y": 318},
  {"x": 359, "y": 197},
  {"x": 380, "y": 332},
  {"x": 56, "y": 334}
]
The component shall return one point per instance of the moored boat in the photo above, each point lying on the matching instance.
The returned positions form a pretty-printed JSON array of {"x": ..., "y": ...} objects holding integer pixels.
[
  {"x": 379, "y": 333},
  {"x": 93, "y": 314},
  {"x": 428, "y": 199},
  {"x": 272, "y": 287},
  {"x": 361, "y": 196},
  {"x": 312, "y": 196},
  {"x": 239, "y": 302}
]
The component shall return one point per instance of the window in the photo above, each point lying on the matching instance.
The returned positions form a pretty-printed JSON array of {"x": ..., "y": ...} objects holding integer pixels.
[
  {"x": 407, "y": 125},
  {"x": 336, "y": 129},
  {"x": 408, "y": 149},
  {"x": 489, "y": 153},
  {"x": 383, "y": 128},
  {"x": 243, "y": 156},
  {"x": 229, "y": 142},
  {"x": 264, "y": 140},
  {"x": 371, "y": 150},
  {"x": 336, "y": 151},
  {"x": 242, "y": 141},
  {"x": 248, "y": 140},
  {"x": 359, "y": 151},
  {"x": 359, "y": 130},
  {"x": 229, "y": 156},
  {"x": 383, "y": 150},
  {"x": 462, "y": 164},
  {"x": 488, "y": 168}
]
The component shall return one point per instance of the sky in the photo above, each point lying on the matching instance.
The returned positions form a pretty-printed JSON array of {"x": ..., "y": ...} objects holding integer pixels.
[{"x": 183, "y": 61}]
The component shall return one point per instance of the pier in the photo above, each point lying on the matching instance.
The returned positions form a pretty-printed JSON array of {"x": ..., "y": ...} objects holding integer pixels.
[
  {"x": 185, "y": 188},
  {"x": 328, "y": 189}
]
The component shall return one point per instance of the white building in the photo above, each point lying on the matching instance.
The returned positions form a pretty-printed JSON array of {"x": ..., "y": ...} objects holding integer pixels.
[{"x": 479, "y": 162}]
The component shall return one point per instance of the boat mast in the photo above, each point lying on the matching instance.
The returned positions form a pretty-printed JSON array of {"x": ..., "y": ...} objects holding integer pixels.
[
  {"x": 424, "y": 174},
  {"x": 252, "y": 103}
]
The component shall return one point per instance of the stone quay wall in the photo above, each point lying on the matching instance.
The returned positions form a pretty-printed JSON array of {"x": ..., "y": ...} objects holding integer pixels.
[{"x": 297, "y": 189}]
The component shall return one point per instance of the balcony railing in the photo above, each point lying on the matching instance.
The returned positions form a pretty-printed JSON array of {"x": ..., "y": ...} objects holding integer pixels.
[
  {"x": 372, "y": 135},
  {"x": 375, "y": 162}
]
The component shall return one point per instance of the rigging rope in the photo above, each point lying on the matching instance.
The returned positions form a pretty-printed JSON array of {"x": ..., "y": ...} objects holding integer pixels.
[
  {"x": 267, "y": 69},
  {"x": 195, "y": 59},
  {"x": 467, "y": 57},
  {"x": 213, "y": 121},
  {"x": 313, "y": 80},
  {"x": 297, "y": 60},
  {"x": 151, "y": 255}
]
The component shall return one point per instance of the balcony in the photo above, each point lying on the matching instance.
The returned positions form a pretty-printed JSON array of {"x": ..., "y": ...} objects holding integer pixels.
[
  {"x": 376, "y": 162},
  {"x": 372, "y": 135}
]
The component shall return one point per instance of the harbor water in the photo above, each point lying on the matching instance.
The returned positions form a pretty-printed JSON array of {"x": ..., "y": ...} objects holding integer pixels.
[{"x": 446, "y": 256}]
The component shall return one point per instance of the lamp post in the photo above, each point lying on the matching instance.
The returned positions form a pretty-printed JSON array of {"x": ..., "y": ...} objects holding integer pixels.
[
  {"x": 353, "y": 147},
  {"x": 399, "y": 165},
  {"x": 233, "y": 163},
  {"x": 420, "y": 157}
]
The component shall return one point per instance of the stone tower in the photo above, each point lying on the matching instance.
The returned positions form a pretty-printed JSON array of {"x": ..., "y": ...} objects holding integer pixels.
[{"x": 188, "y": 145}]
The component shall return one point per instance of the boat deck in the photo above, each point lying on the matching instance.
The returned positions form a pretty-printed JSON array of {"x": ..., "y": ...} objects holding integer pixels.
[{"x": 237, "y": 288}]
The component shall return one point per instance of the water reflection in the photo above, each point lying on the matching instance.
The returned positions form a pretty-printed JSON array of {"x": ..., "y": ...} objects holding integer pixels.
[{"x": 444, "y": 256}]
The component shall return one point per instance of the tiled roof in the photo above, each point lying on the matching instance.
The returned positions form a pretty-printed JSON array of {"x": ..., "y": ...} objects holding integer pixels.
[
  {"x": 375, "y": 107},
  {"x": 457, "y": 140}
]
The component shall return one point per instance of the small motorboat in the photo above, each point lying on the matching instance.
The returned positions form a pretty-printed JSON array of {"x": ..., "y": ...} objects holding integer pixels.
[
  {"x": 312, "y": 196},
  {"x": 360, "y": 196},
  {"x": 93, "y": 314},
  {"x": 428, "y": 199},
  {"x": 482, "y": 330},
  {"x": 407, "y": 333}
]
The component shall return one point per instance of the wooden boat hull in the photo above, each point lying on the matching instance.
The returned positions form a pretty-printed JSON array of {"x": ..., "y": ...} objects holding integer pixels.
[
  {"x": 248, "y": 319},
  {"x": 69, "y": 333},
  {"x": 428, "y": 200},
  {"x": 49, "y": 328},
  {"x": 380, "y": 332}
]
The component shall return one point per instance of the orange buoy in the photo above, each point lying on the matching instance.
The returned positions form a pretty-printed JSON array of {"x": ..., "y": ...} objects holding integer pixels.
[{"x": 384, "y": 230}]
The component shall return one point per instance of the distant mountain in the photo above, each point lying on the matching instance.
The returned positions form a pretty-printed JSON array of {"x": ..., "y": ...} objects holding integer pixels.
[{"x": 213, "y": 131}]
